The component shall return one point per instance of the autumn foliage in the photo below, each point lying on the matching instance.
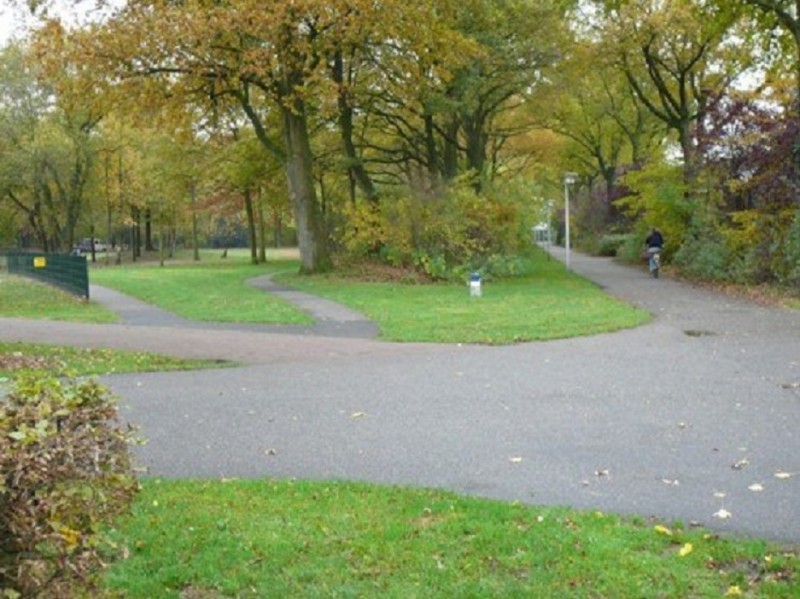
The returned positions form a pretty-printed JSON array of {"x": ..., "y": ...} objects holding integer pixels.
[{"x": 65, "y": 470}]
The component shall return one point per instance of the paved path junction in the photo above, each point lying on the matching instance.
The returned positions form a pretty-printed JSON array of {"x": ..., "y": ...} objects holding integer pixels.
[{"x": 692, "y": 416}]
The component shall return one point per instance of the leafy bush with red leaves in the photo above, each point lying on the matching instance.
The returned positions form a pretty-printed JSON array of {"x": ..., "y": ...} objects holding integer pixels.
[{"x": 65, "y": 471}]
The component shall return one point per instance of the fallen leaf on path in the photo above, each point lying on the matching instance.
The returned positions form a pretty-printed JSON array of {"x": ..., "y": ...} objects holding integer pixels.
[
  {"x": 756, "y": 487},
  {"x": 358, "y": 414},
  {"x": 515, "y": 460},
  {"x": 783, "y": 475},
  {"x": 270, "y": 451},
  {"x": 722, "y": 514},
  {"x": 740, "y": 464},
  {"x": 719, "y": 495},
  {"x": 601, "y": 472}
]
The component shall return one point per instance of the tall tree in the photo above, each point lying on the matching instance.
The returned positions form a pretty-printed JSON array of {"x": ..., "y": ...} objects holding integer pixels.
[
  {"x": 48, "y": 147},
  {"x": 269, "y": 58},
  {"x": 445, "y": 126},
  {"x": 783, "y": 14},
  {"x": 609, "y": 129},
  {"x": 678, "y": 57}
]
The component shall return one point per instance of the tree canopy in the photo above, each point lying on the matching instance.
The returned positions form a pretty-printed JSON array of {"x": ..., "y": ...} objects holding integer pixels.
[{"x": 388, "y": 133}]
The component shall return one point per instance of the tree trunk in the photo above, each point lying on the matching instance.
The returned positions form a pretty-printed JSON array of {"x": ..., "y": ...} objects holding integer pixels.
[
  {"x": 136, "y": 234},
  {"x": 689, "y": 156},
  {"x": 251, "y": 225},
  {"x": 355, "y": 166},
  {"x": 450, "y": 153},
  {"x": 195, "y": 235},
  {"x": 431, "y": 154},
  {"x": 314, "y": 256},
  {"x": 262, "y": 228},
  {"x": 148, "y": 230},
  {"x": 476, "y": 140}
]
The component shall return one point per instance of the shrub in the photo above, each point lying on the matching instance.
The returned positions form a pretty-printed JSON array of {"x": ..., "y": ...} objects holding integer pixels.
[
  {"x": 703, "y": 259},
  {"x": 793, "y": 252},
  {"x": 608, "y": 246},
  {"x": 65, "y": 470},
  {"x": 442, "y": 235}
]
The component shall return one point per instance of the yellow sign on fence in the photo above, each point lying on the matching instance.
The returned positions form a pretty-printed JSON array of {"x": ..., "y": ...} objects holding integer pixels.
[{"x": 39, "y": 262}]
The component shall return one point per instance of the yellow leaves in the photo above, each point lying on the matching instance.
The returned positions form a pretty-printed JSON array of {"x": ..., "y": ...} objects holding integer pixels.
[
  {"x": 70, "y": 536},
  {"x": 685, "y": 549},
  {"x": 662, "y": 530},
  {"x": 734, "y": 591}
]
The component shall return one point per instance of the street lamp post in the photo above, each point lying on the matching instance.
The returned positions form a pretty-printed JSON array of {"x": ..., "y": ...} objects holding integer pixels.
[{"x": 569, "y": 179}]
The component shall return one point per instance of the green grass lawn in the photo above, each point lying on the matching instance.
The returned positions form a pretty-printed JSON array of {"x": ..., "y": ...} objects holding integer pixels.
[
  {"x": 549, "y": 304},
  {"x": 17, "y": 359},
  {"x": 215, "y": 291},
  {"x": 301, "y": 539},
  {"x": 25, "y": 298}
]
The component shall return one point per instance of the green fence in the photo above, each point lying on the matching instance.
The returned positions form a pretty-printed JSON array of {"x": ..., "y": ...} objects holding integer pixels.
[{"x": 70, "y": 273}]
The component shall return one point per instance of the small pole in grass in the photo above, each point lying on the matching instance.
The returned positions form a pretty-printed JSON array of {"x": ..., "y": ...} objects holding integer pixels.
[{"x": 475, "y": 285}]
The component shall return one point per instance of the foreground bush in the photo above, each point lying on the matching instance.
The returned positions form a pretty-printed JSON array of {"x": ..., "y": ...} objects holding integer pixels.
[{"x": 65, "y": 470}]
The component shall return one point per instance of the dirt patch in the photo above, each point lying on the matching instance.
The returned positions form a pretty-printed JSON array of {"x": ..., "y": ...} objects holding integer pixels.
[{"x": 377, "y": 272}]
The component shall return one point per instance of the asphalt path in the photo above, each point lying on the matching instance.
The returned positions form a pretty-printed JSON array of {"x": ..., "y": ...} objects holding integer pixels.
[{"x": 693, "y": 417}]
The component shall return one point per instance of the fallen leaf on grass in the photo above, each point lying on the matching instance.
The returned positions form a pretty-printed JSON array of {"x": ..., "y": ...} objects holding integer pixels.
[
  {"x": 686, "y": 550},
  {"x": 662, "y": 530},
  {"x": 734, "y": 591}
]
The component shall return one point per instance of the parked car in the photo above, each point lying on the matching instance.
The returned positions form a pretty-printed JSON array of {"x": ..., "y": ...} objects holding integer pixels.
[{"x": 85, "y": 246}]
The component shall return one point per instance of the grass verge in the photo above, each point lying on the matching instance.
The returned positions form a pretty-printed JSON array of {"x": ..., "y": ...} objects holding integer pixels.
[
  {"x": 305, "y": 539},
  {"x": 208, "y": 292},
  {"x": 551, "y": 303},
  {"x": 17, "y": 359},
  {"x": 26, "y": 298}
]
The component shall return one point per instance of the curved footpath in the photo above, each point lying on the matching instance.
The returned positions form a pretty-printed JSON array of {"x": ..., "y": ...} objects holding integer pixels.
[{"x": 690, "y": 417}]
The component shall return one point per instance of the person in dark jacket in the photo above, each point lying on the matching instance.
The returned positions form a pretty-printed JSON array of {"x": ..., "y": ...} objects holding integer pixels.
[
  {"x": 655, "y": 240},
  {"x": 653, "y": 246}
]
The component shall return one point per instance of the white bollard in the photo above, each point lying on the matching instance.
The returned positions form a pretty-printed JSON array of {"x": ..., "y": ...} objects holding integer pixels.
[{"x": 475, "y": 285}]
